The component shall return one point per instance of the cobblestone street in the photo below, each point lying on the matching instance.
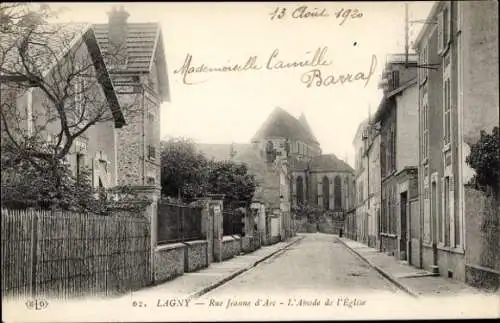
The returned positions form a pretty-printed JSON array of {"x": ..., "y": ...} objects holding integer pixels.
[{"x": 317, "y": 263}]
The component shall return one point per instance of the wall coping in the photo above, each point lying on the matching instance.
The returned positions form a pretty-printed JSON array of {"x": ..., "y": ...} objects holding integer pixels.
[
  {"x": 170, "y": 246},
  {"x": 195, "y": 242},
  {"x": 228, "y": 238},
  {"x": 491, "y": 270}
]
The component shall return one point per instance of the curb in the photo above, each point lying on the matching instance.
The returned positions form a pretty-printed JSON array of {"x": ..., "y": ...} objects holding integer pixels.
[
  {"x": 239, "y": 272},
  {"x": 384, "y": 273}
]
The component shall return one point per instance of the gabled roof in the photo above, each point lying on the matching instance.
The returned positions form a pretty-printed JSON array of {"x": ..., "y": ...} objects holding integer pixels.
[
  {"x": 50, "y": 43},
  {"x": 280, "y": 124},
  {"x": 329, "y": 162},
  {"x": 144, "y": 45}
]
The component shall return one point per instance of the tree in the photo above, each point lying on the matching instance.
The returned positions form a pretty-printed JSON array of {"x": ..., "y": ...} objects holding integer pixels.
[
  {"x": 484, "y": 158},
  {"x": 232, "y": 180},
  {"x": 54, "y": 63},
  {"x": 183, "y": 169},
  {"x": 190, "y": 174}
]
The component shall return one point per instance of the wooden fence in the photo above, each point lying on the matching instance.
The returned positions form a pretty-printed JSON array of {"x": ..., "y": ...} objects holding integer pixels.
[{"x": 66, "y": 255}]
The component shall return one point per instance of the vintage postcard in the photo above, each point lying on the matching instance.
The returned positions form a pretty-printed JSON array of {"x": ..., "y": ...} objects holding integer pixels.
[{"x": 249, "y": 161}]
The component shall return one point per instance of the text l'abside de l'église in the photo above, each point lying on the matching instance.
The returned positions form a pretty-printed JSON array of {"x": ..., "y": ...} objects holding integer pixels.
[{"x": 314, "y": 61}]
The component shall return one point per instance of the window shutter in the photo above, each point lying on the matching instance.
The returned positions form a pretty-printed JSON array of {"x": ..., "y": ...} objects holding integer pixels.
[
  {"x": 453, "y": 233},
  {"x": 426, "y": 217},
  {"x": 440, "y": 221},
  {"x": 440, "y": 32}
]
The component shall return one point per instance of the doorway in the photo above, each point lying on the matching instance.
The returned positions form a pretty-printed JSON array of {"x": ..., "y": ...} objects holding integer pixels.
[{"x": 404, "y": 227}]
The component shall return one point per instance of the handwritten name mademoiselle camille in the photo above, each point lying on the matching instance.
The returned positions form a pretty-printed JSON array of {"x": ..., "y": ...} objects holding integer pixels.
[{"x": 274, "y": 62}]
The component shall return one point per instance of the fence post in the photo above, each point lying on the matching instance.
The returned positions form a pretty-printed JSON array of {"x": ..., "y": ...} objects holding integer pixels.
[{"x": 34, "y": 256}]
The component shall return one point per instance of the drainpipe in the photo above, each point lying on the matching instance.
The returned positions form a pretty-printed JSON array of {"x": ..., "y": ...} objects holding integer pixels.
[{"x": 143, "y": 92}]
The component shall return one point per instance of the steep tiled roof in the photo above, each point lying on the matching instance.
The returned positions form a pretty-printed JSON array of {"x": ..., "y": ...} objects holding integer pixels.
[
  {"x": 220, "y": 151},
  {"x": 281, "y": 124},
  {"x": 144, "y": 41},
  {"x": 48, "y": 44},
  {"x": 329, "y": 162},
  {"x": 141, "y": 40}
]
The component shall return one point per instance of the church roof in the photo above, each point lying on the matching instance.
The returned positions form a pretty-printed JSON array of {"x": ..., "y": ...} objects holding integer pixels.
[
  {"x": 283, "y": 125},
  {"x": 329, "y": 162}
]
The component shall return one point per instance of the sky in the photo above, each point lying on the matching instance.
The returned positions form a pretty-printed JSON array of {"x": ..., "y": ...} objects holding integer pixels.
[{"x": 230, "y": 107}]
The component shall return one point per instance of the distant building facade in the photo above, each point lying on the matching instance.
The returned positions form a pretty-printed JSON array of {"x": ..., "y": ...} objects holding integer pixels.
[{"x": 367, "y": 186}]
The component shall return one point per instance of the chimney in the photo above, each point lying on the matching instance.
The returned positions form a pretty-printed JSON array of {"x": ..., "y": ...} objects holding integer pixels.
[{"x": 117, "y": 36}]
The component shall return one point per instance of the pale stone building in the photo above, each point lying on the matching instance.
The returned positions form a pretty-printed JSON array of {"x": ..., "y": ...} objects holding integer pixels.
[{"x": 458, "y": 97}]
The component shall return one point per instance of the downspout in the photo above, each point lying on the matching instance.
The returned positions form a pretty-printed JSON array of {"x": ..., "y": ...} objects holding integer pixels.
[{"x": 143, "y": 136}]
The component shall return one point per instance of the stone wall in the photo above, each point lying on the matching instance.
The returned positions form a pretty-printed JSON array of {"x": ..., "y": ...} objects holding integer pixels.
[
  {"x": 483, "y": 240},
  {"x": 231, "y": 246},
  {"x": 169, "y": 261},
  {"x": 249, "y": 243},
  {"x": 195, "y": 255}
]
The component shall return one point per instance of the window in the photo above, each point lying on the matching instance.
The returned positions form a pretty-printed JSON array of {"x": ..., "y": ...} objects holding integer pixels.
[
  {"x": 337, "y": 192},
  {"x": 423, "y": 71},
  {"x": 300, "y": 190},
  {"x": 395, "y": 80},
  {"x": 80, "y": 164},
  {"x": 326, "y": 193},
  {"x": 447, "y": 111},
  {"x": 393, "y": 148},
  {"x": 434, "y": 208},
  {"x": 446, "y": 209},
  {"x": 455, "y": 215},
  {"x": 151, "y": 181},
  {"x": 425, "y": 131},
  {"x": 151, "y": 152}
]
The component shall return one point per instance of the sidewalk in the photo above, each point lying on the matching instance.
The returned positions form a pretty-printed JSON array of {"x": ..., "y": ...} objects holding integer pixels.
[
  {"x": 194, "y": 284},
  {"x": 415, "y": 281}
]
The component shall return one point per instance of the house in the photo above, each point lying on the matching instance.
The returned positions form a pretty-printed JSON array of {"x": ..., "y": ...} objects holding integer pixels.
[
  {"x": 68, "y": 64},
  {"x": 367, "y": 194},
  {"x": 361, "y": 179},
  {"x": 458, "y": 97},
  {"x": 135, "y": 57},
  {"x": 396, "y": 115}
]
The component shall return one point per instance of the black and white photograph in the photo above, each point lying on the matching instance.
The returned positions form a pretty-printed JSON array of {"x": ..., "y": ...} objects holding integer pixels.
[{"x": 249, "y": 161}]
